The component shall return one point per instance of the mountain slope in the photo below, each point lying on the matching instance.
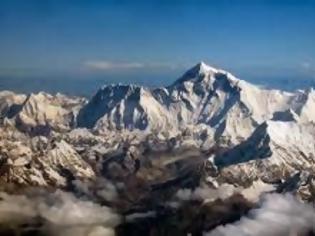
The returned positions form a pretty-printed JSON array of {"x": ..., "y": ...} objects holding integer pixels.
[
  {"x": 252, "y": 133},
  {"x": 275, "y": 151},
  {"x": 231, "y": 107}
]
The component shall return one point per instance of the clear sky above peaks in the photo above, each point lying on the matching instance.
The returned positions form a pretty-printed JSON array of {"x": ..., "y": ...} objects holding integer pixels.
[{"x": 139, "y": 40}]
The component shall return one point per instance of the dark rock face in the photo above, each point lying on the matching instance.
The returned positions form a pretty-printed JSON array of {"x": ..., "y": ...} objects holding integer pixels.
[{"x": 192, "y": 218}]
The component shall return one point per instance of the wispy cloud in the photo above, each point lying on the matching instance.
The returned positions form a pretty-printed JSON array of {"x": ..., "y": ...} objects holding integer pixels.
[
  {"x": 306, "y": 65},
  {"x": 110, "y": 65},
  {"x": 308, "y": 68}
]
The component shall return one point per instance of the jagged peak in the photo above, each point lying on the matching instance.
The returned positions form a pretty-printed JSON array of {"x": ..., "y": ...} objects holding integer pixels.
[
  {"x": 118, "y": 85},
  {"x": 125, "y": 88},
  {"x": 39, "y": 97},
  {"x": 203, "y": 71},
  {"x": 118, "y": 91},
  {"x": 203, "y": 68},
  {"x": 200, "y": 68}
]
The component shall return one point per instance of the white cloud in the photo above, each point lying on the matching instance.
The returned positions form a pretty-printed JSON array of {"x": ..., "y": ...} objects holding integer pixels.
[
  {"x": 206, "y": 193},
  {"x": 306, "y": 65},
  {"x": 108, "y": 65},
  {"x": 278, "y": 216},
  {"x": 62, "y": 214}
]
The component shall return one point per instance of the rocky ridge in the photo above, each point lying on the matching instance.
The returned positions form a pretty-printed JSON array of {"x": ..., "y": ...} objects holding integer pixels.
[{"x": 241, "y": 133}]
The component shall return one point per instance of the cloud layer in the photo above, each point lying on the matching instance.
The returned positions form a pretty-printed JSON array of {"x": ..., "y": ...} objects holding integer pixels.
[
  {"x": 278, "y": 216},
  {"x": 62, "y": 214}
]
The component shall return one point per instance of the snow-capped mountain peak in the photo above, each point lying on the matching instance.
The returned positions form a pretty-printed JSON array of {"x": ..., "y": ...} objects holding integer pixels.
[
  {"x": 214, "y": 99},
  {"x": 248, "y": 133},
  {"x": 203, "y": 68},
  {"x": 204, "y": 95},
  {"x": 199, "y": 72}
]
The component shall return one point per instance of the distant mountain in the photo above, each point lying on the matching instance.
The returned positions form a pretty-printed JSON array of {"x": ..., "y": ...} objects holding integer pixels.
[
  {"x": 185, "y": 158},
  {"x": 230, "y": 107},
  {"x": 242, "y": 132}
]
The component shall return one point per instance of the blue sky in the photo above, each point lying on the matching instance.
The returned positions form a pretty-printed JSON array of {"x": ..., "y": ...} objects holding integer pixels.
[{"x": 154, "y": 41}]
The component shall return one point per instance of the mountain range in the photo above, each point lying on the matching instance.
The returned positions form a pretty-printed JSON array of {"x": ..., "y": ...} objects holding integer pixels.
[{"x": 208, "y": 128}]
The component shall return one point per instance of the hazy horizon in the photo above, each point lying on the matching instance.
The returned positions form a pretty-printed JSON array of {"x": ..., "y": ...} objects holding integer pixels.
[
  {"x": 74, "y": 47},
  {"x": 87, "y": 86}
]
